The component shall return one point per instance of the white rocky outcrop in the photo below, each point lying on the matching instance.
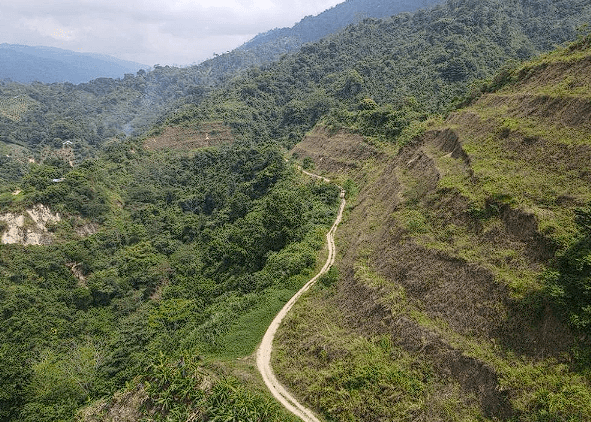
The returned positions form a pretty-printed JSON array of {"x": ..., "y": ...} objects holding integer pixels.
[{"x": 29, "y": 228}]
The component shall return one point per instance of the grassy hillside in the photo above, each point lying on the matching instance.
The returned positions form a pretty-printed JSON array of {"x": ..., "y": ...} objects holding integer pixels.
[{"x": 464, "y": 287}]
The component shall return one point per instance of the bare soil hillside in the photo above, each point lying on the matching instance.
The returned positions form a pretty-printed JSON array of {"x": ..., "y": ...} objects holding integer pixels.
[{"x": 186, "y": 138}]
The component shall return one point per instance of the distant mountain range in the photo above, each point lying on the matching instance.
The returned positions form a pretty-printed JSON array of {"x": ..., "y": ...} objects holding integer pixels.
[{"x": 26, "y": 64}]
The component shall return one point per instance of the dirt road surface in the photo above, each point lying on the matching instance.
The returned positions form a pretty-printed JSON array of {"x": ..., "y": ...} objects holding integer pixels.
[{"x": 264, "y": 351}]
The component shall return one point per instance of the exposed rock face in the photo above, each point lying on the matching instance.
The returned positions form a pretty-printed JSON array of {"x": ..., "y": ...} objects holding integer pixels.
[{"x": 29, "y": 228}]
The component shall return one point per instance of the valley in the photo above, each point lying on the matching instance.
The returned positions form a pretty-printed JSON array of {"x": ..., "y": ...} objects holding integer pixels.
[
  {"x": 163, "y": 248},
  {"x": 266, "y": 348}
]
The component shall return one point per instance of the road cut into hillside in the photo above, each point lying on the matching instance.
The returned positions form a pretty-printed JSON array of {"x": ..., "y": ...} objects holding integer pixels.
[{"x": 266, "y": 347}]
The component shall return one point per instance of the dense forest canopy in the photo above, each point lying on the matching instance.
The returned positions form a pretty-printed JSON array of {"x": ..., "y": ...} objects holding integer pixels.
[
  {"x": 186, "y": 245},
  {"x": 278, "y": 41},
  {"x": 428, "y": 58}
]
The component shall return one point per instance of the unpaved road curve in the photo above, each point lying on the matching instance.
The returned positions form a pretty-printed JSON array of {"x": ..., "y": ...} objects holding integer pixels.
[{"x": 264, "y": 350}]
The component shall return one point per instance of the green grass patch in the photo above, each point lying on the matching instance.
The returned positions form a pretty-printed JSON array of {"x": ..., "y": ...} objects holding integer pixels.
[
  {"x": 414, "y": 221},
  {"x": 508, "y": 119},
  {"x": 246, "y": 332},
  {"x": 501, "y": 172}
]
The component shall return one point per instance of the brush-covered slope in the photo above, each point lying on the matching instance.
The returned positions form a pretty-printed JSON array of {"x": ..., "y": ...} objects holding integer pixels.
[{"x": 463, "y": 285}]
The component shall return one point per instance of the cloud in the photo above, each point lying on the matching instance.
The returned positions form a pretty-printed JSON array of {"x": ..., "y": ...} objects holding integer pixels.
[
  {"x": 149, "y": 31},
  {"x": 49, "y": 27}
]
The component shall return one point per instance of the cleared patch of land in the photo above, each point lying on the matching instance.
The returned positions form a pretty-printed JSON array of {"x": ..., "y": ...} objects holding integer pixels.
[{"x": 187, "y": 138}]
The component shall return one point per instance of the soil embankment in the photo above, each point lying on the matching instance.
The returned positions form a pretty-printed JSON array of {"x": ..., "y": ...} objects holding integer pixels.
[{"x": 30, "y": 227}]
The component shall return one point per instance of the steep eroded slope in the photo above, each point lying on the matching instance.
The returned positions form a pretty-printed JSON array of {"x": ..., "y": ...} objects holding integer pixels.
[{"x": 441, "y": 310}]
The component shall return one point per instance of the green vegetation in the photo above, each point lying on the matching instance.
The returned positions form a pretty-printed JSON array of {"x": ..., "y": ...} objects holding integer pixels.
[
  {"x": 191, "y": 249},
  {"x": 469, "y": 250},
  {"x": 313, "y": 28},
  {"x": 166, "y": 267},
  {"x": 570, "y": 283},
  {"x": 174, "y": 393},
  {"x": 427, "y": 59},
  {"x": 385, "y": 123},
  {"x": 346, "y": 376},
  {"x": 409, "y": 65}
]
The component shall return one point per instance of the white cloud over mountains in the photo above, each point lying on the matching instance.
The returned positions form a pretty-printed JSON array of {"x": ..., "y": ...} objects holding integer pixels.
[{"x": 149, "y": 31}]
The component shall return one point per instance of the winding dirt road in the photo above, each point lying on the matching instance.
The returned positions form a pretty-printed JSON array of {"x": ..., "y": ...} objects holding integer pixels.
[{"x": 266, "y": 347}]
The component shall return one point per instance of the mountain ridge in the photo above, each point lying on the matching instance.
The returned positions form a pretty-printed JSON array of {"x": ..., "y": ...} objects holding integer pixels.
[
  {"x": 387, "y": 68},
  {"x": 26, "y": 64},
  {"x": 418, "y": 61},
  {"x": 313, "y": 28}
]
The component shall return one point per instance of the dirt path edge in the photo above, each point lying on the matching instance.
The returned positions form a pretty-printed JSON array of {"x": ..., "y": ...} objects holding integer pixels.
[{"x": 263, "y": 354}]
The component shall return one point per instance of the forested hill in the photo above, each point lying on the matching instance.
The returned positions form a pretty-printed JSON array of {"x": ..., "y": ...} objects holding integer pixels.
[
  {"x": 25, "y": 64},
  {"x": 273, "y": 43},
  {"x": 158, "y": 256},
  {"x": 409, "y": 65},
  {"x": 158, "y": 271},
  {"x": 431, "y": 55},
  {"x": 36, "y": 119},
  {"x": 465, "y": 274}
]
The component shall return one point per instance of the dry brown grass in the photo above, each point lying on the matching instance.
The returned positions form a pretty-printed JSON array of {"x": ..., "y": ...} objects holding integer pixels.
[{"x": 186, "y": 138}]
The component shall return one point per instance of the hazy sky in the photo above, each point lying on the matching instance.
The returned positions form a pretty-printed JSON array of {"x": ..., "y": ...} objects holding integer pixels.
[{"x": 164, "y": 32}]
